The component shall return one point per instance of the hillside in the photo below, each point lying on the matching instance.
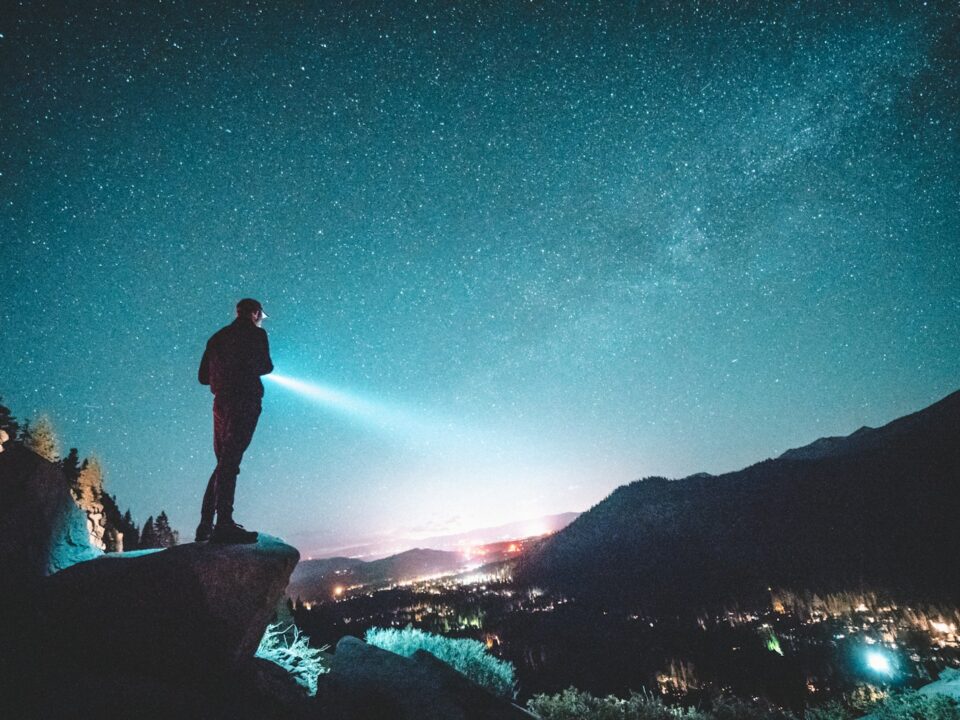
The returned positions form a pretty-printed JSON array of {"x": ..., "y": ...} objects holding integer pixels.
[
  {"x": 316, "y": 579},
  {"x": 871, "y": 509}
]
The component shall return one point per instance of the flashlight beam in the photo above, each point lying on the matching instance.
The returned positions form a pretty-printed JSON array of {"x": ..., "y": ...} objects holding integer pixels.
[
  {"x": 326, "y": 395},
  {"x": 350, "y": 404}
]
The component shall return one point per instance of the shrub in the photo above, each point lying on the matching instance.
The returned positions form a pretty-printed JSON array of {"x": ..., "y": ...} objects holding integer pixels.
[
  {"x": 469, "y": 657},
  {"x": 833, "y": 710},
  {"x": 731, "y": 708},
  {"x": 907, "y": 705},
  {"x": 290, "y": 650},
  {"x": 914, "y": 706},
  {"x": 573, "y": 704}
]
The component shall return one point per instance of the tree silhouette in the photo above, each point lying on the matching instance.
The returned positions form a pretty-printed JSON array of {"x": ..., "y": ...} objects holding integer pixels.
[
  {"x": 131, "y": 533},
  {"x": 166, "y": 536},
  {"x": 42, "y": 438},
  {"x": 88, "y": 494},
  {"x": 116, "y": 537},
  {"x": 148, "y": 535},
  {"x": 71, "y": 469}
]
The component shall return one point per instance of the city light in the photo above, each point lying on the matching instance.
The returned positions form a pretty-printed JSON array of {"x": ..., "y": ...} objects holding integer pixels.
[{"x": 879, "y": 662}]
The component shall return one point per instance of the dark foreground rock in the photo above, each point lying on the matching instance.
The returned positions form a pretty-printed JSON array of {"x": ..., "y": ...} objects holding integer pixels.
[
  {"x": 181, "y": 614},
  {"x": 163, "y": 633},
  {"x": 73, "y": 694},
  {"x": 42, "y": 531},
  {"x": 368, "y": 683}
]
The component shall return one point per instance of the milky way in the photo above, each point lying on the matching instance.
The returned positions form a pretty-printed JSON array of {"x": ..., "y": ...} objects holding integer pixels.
[{"x": 581, "y": 242}]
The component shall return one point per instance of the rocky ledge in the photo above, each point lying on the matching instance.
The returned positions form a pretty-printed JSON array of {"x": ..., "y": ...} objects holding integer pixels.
[
  {"x": 196, "y": 607},
  {"x": 42, "y": 531},
  {"x": 93, "y": 635}
]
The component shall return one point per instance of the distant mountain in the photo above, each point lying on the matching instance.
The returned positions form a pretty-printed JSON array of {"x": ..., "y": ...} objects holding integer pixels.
[
  {"x": 867, "y": 438},
  {"x": 510, "y": 531},
  {"x": 322, "y": 574},
  {"x": 314, "y": 580},
  {"x": 317, "y": 579},
  {"x": 872, "y": 509},
  {"x": 481, "y": 536},
  {"x": 827, "y": 446},
  {"x": 411, "y": 564}
]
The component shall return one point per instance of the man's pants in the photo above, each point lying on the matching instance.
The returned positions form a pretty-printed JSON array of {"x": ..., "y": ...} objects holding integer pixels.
[{"x": 234, "y": 420}]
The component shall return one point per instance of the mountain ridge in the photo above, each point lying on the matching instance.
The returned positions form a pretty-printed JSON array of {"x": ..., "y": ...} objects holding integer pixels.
[
  {"x": 867, "y": 436},
  {"x": 870, "y": 511}
]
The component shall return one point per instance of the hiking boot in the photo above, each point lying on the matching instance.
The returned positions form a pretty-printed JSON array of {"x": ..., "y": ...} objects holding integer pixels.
[
  {"x": 204, "y": 530},
  {"x": 230, "y": 533}
]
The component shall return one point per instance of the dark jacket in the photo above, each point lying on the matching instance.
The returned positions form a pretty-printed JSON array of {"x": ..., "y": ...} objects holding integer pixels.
[{"x": 235, "y": 358}]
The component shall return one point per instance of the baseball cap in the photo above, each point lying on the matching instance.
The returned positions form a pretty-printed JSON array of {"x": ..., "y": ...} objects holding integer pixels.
[{"x": 249, "y": 305}]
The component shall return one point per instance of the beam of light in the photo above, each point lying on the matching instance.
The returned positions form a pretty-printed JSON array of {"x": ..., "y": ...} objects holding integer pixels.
[
  {"x": 381, "y": 415},
  {"x": 329, "y": 396}
]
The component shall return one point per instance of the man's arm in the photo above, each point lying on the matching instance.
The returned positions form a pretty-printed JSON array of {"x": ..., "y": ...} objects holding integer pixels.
[
  {"x": 265, "y": 364},
  {"x": 203, "y": 375}
]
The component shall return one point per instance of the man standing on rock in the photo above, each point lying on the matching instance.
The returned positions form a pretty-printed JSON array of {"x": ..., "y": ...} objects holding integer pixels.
[{"x": 235, "y": 358}]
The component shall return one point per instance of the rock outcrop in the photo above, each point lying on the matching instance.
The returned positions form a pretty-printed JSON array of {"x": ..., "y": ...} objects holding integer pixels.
[
  {"x": 162, "y": 633},
  {"x": 367, "y": 682},
  {"x": 41, "y": 529},
  {"x": 88, "y": 495},
  {"x": 179, "y": 614}
]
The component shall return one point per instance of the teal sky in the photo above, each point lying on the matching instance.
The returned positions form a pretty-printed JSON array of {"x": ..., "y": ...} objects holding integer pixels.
[{"x": 571, "y": 243}]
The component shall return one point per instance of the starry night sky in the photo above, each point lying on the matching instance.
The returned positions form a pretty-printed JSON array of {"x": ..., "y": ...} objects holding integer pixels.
[{"x": 561, "y": 245}]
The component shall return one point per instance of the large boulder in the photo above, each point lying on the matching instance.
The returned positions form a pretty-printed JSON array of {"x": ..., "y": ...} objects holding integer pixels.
[
  {"x": 42, "y": 531},
  {"x": 186, "y": 613},
  {"x": 166, "y": 633},
  {"x": 367, "y": 682},
  {"x": 257, "y": 690}
]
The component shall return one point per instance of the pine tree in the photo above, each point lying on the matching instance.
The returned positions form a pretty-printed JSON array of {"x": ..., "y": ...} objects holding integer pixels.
[
  {"x": 89, "y": 485},
  {"x": 166, "y": 536},
  {"x": 114, "y": 535},
  {"x": 88, "y": 495},
  {"x": 42, "y": 438},
  {"x": 131, "y": 533},
  {"x": 71, "y": 470},
  {"x": 148, "y": 535}
]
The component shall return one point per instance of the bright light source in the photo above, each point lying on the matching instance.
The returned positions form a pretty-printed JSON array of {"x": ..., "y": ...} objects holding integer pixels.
[{"x": 879, "y": 662}]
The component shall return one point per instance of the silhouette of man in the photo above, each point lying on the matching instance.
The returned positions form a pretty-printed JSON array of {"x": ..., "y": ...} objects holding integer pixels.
[{"x": 235, "y": 358}]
